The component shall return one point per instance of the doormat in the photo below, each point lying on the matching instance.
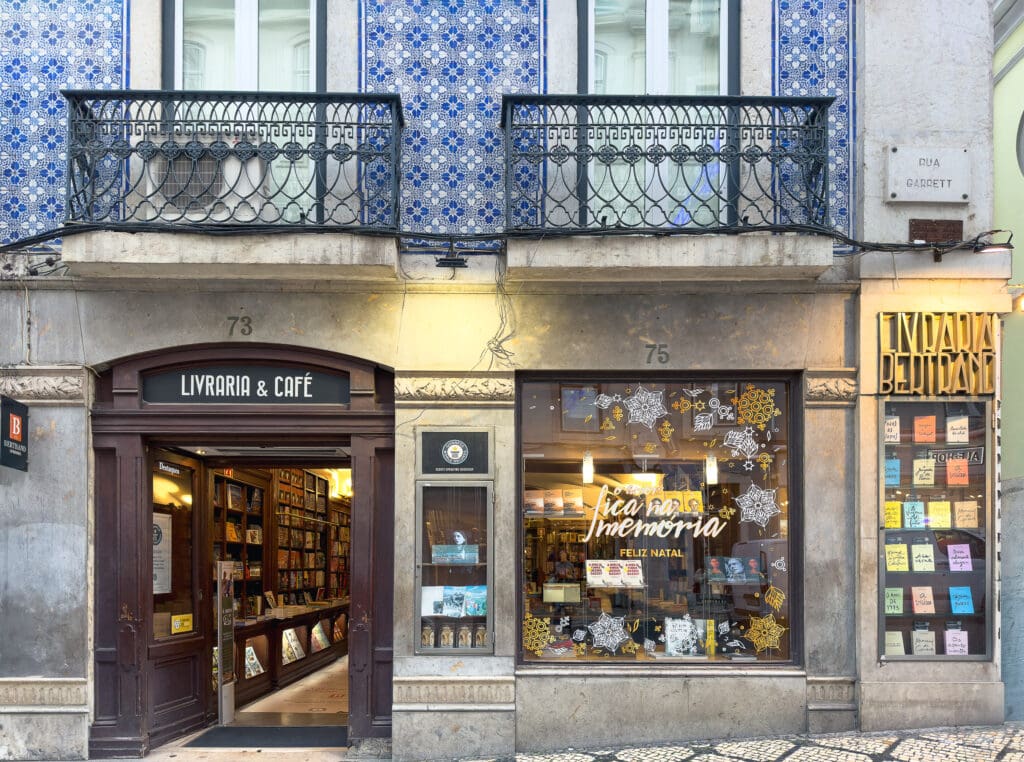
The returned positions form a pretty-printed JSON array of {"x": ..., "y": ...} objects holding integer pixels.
[{"x": 240, "y": 737}]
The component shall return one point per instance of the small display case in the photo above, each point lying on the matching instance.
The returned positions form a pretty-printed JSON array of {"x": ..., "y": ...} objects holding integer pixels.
[
  {"x": 935, "y": 530},
  {"x": 454, "y": 584}
]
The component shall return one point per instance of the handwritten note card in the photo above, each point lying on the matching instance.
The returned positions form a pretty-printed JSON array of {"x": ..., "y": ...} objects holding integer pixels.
[
  {"x": 956, "y": 643},
  {"x": 894, "y": 643},
  {"x": 913, "y": 514},
  {"x": 894, "y": 600},
  {"x": 960, "y": 600},
  {"x": 892, "y": 429},
  {"x": 956, "y": 472},
  {"x": 893, "y": 511},
  {"x": 922, "y": 643},
  {"x": 924, "y": 472},
  {"x": 896, "y": 558},
  {"x": 922, "y": 556},
  {"x": 959, "y": 557},
  {"x": 924, "y": 428},
  {"x": 958, "y": 430},
  {"x": 965, "y": 513},
  {"x": 939, "y": 514},
  {"x": 892, "y": 472},
  {"x": 921, "y": 600}
]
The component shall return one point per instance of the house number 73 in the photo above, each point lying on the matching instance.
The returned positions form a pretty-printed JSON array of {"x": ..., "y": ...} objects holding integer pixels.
[
  {"x": 657, "y": 353},
  {"x": 242, "y": 322}
]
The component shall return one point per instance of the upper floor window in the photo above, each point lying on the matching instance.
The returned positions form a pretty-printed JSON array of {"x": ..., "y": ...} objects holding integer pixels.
[
  {"x": 244, "y": 44},
  {"x": 658, "y": 47}
]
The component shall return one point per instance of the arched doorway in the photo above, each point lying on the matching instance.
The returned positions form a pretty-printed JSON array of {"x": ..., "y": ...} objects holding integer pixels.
[{"x": 148, "y": 691}]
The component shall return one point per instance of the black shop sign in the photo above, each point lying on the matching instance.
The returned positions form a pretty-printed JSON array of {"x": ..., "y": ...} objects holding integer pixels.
[
  {"x": 246, "y": 385},
  {"x": 456, "y": 452},
  {"x": 13, "y": 434}
]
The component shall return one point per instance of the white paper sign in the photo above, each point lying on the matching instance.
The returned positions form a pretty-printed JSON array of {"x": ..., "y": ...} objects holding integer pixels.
[
  {"x": 162, "y": 525},
  {"x": 958, "y": 430},
  {"x": 892, "y": 429}
]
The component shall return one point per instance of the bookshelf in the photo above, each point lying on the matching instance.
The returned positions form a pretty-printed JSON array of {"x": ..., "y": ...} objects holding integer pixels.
[
  {"x": 239, "y": 536},
  {"x": 306, "y": 534}
]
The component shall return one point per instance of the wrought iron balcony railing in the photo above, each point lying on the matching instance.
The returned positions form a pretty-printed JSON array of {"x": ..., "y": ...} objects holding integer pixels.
[
  {"x": 142, "y": 158},
  {"x": 665, "y": 164}
]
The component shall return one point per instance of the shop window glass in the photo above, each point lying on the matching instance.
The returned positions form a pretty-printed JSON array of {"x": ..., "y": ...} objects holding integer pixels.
[
  {"x": 656, "y": 521},
  {"x": 173, "y": 591}
]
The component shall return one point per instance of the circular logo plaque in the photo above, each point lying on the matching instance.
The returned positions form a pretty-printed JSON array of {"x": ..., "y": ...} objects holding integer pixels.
[{"x": 454, "y": 452}]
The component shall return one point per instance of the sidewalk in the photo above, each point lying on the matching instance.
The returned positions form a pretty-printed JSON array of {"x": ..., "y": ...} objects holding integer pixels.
[{"x": 998, "y": 743}]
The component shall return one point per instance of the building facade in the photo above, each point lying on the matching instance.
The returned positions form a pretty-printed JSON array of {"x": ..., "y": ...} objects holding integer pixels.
[{"x": 626, "y": 390}]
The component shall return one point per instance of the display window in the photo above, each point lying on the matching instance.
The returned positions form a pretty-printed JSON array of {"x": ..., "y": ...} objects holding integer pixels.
[{"x": 656, "y": 520}]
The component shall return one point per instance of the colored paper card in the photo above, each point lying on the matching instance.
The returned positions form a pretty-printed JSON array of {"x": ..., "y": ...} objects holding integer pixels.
[
  {"x": 894, "y": 645},
  {"x": 960, "y": 600},
  {"x": 896, "y": 558},
  {"x": 939, "y": 514},
  {"x": 959, "y": 557},
  {"x": 922, "y": 557},
  {"x": 924, "y": 472},
  {"x": 913, "y": 514},
  {"x": 892, "y": 429},
  {"x": 892, "y": 472},
  {"x": 921, "y": 600},
  {"x": 924, "y": 428},
  {"x": 965, "y": 513},
  {"x": 958, "y": 430},
  {"x": 922, "y": 643},
  {"x": 956, "y": 643},
  {"x": 893, "y": 514},
  {"x": 894, "y": 600},
  {"x": 956, "y": 472}
]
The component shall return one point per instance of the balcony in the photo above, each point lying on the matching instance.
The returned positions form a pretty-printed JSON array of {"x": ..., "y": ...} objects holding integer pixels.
[
  {"x": 250, "y": 164},
  {"x": 655, "y": 166}
]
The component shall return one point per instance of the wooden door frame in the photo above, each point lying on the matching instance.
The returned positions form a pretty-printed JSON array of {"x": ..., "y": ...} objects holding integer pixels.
[{"x": 123, "y": 428}]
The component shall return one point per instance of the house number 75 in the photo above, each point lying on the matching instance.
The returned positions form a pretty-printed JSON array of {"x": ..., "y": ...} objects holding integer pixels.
[{"x": 657, "y": 352}]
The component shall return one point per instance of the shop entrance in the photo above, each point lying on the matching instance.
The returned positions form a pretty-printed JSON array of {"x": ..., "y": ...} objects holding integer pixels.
[{"x": 262, "y": 489}]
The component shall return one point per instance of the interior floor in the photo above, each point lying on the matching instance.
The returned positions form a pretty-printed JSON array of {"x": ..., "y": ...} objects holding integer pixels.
[{"x": 317, "y": 699}]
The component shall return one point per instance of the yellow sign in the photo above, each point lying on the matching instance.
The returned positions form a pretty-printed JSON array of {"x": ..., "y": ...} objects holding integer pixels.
[
  {"x": 181, "y": 623},
  {"x": 936, "y": 353}
]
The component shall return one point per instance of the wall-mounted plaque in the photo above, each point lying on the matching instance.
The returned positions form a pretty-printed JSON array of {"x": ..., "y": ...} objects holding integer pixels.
[
  {"x": 246, "y": 385},
  {"x": 457, "y": 452},
  {"x": 13, "y": 434},
  {"x": 928, "y": 174}
]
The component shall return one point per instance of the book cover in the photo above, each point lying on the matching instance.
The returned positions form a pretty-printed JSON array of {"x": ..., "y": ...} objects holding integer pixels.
[
  {"x": 924, "y": 428},
  {"x": 965, "y": 513},
  {"x": 956, "y": 642},
  {"x": 893, "y": 514},
  {"x": 233, "y": 532},
  {"x": 253, "y": 666},
  {"x": 318, "y": 639},
  {"x": 960, "y": 600},
  {"x": 892, "y": 472},
  {"x": 554, "y": 503},
  {"x": 431, "y": 600},
  {"x": 956, "y": 472},
  {"x": 959, "y": 557},
  {"x": 922, "y": 557},
  {"x": 453, "y": 602},
  {"x": 922, "y": 601},
  {"x": 922, "y": 642},
  {"x": 681, "y": 636},
  {"x": 293, "y": 639},
  {"x": 896, "y": 558},
  {"x": 894, "y": 645},
  {"x": 633, "y": 573},
  {"x": 892, "y": 429},
  {"x": 573, "y": 500},
  {"x": 894, "y": 600},
  {"x": 455, "y": 554},
  {"x": 613, "y": 571},
  {"x": 958, "y": 430},
  {"x": 595, "y": 572},
  {"x": 939, "y": 514},
  {"x": 475, "y": 600},
  {"x": 913, "y": 514},
  {"x": 692, "y": 501},
  {"x": 533, "y": 502},
  {"x": 924, "y": 472}
]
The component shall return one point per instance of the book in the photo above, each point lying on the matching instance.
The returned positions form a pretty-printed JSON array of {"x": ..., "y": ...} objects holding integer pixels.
[
  {"x": 956, "y": 472},
  {"x": 233, "y": 531},
  {"x": 913, "y": 514},
  {"x": 453, "y": 601},
  {"x": 892, "y": 429},
  {"x": 633, "y": 573},
  {"x": 455, "y": 554},
  {"x": 959, "y": 555},
  {"x": 554, "y": 503},
  {"x": 318, "y": 639},
  {"x": 960, "y": 600},
  {"x": 922, "y": 601},
  {"x": 894, "y": 645},
  {"x": 253, "y": 666},
  {"x": 236, "y": 500},
  {"x": 595, "y": 570},
  {"x": 939, "y": 514},
  {"x": 893, "y": 600},
  {"x": 475, "y": 600},
  {"x": 892, "y": 472},
  {"x": 893, "y": 514},
  {"x": 924, "y": 472},
  {"x": 922, "y": 557},
  {"x": 692, "y": 501},
  {"x": 922, "y": 642},
  {"x": 291, "y": 648},
  {"x": 573, "y": 499},
  {"x": 965, "y": 513},
  {"x": 956, "y": 642},
  {"x": 958, "y": 430},
  {"x": 924, "y": 428},
  {"x": 896, "y": 558},
  {"x": 533, "y": 502}
]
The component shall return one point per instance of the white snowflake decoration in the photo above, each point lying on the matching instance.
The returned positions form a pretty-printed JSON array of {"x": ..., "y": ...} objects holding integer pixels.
[
  {"x": 724, "y": 412},
  {"x": 645, "y": 407},
  {"x": 609, "y": 632},
  {"x": 757, "y": 505},
  {"x": 603, "y": 401},
  {"x": 579, "y": 635},
  {"x": 703, "y": 422},
  {"x": 742, "y": 443},
  {"x": 780, "y": 563},
  {"x": 649, "y": 645},
  {"x": 692, "y": 393}
]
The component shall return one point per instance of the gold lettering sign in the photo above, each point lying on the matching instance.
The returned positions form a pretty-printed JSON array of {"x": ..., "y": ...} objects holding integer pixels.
[{"x": 936, "y": 353}]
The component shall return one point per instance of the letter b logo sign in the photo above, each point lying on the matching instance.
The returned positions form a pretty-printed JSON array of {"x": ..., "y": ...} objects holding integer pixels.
[{"x": 15, "y": 428}]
